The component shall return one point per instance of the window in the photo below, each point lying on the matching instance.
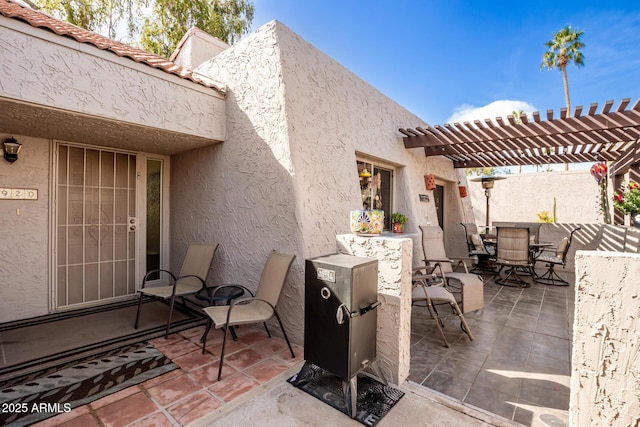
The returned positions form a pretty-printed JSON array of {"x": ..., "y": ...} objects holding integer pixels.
[
  {"x": 376, "y": 187},
  {"x": 154, "y": 217}
]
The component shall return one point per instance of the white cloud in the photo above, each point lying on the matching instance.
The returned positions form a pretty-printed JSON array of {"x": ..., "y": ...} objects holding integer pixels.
[{"x": 469, "y": 113}]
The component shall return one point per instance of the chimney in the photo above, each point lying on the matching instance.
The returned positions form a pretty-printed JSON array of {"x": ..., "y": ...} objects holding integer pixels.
[{"x": 197, "y": 47}]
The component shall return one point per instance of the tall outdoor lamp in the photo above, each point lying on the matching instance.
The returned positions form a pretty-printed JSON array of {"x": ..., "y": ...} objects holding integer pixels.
[{"x": 487, "y": 183}]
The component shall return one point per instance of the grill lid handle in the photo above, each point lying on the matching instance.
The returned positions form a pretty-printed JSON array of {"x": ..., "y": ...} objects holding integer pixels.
[
  {"x": 368, "y": 308},
  {"x": 340, "y": 314},
  {"x": 343, "y": 312}
]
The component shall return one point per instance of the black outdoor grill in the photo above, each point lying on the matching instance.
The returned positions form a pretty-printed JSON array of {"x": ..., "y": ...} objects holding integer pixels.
[{"x": 341, "y": 297}]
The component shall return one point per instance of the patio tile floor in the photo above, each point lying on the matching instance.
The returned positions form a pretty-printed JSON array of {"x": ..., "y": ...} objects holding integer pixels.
[
  {"x": 183, "y": 395},
  {"x": 519, "y": 364}
]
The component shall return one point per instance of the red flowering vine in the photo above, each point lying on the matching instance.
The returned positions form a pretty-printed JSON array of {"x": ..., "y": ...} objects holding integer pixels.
[{"x": 627, "y": 200}]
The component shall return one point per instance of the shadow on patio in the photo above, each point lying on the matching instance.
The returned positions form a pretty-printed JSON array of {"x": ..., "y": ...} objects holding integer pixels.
[
  {"x": 191, "y": 391},
  {"x": 517, "y": 367},
  {"x": 519, "y": 364}
]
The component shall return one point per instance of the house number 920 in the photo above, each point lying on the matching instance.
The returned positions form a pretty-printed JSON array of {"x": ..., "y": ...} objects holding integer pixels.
[{"x": 18, "y": 194}]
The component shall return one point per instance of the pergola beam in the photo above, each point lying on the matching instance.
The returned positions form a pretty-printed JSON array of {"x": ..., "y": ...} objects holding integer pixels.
[{"x": 581, "y": 138}]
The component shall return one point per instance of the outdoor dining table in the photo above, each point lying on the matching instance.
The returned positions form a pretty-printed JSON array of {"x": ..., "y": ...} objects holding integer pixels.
[
  {"x": 537, "y": 247},
  {"x": 534, "y": 247}
]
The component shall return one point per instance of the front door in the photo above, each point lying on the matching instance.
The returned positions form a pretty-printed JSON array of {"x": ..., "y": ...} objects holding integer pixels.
[
  {"x": 438, "y": 196},
  {"x": 96, "y": 226}
]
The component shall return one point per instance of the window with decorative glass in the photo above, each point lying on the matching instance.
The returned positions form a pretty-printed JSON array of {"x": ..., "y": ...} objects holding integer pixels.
[{"x": 376, "y": 188}]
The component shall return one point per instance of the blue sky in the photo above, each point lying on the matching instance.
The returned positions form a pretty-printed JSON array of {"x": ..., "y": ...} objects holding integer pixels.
[{"x": 440, "y": 58}]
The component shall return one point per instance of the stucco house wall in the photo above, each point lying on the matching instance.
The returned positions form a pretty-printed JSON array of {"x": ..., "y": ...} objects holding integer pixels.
[
  {"x": 59, "y": 72},
  {"x": 53, "y": 88},
  {"x": 286, "y": 176},
  {"x": 24, "y": 233},
  {"x": 519, "y": 197}
]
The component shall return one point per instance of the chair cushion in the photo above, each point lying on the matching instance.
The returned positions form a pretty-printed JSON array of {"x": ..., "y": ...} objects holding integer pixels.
[
  {"x": 433, "y": 245},
  {"x": 478, "y": 244},
  {"x": 436, "y": 294},
  {"x": 549, "y": 259},
  {"x": 562, "y": 247}
]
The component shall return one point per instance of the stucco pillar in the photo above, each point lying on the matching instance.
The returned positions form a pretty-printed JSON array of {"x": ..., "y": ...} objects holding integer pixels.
[
  {"x": 394, "y": 253},
  {"x": 605, "y": 378}
]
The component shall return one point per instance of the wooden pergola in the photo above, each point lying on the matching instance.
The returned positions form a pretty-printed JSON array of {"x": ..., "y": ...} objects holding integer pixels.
[{"x": 611, "y": 136}]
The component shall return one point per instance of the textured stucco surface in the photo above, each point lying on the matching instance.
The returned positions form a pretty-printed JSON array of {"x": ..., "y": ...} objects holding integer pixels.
[
  {"x": 197, "y": 47},
  {"x": 239, "y": 193},
  {"x": 332, "y": 114},
  {"x": 24, "y": 236},
  {"x": 521, "y": 196},
  {"x": 394, "y": 255},
  {"x": 286, "y": 179},
  {"x": 63, "y": 74},
  {"x": 286, "y": 175},
  {"x": 605, "y": 380}
]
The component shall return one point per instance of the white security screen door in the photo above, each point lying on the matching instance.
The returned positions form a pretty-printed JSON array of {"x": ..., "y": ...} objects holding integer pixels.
[{"x": 96, "y": 225}]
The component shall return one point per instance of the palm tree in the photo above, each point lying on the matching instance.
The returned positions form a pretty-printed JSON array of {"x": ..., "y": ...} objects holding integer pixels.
[
  {"x": 517, "y": 115},
  {"x": 562, "y": 50}
]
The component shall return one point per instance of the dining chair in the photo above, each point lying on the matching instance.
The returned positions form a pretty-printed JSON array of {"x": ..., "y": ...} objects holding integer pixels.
[
  {"x": 534, "y": 229},
  {"x": 478, "y": 249},
  {"x": 189, "y": 281},
  {"x": 553, "y": 257},
  {"x": 514, "y": 254}
]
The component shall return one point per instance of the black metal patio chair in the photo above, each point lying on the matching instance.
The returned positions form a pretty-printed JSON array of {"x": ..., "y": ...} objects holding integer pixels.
[{"x": 552, "y": 257}]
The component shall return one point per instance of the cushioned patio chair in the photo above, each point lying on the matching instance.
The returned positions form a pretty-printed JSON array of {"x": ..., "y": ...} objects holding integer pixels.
[
  {"x": 477, "y": 248},
  {"x": 514, "y": 254},
  {"x": 190, "y": 280},
  {"x": 436, "y": 295},
  {"x": 255, "y": 309},
  {"x": 469, "y": 286},
  {"x": 553, "y": 257},
  {"x": 534, "y": 229}
]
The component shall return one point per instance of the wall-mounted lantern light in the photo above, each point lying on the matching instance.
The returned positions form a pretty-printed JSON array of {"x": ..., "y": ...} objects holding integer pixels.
[{"x": 11, "y": 149}]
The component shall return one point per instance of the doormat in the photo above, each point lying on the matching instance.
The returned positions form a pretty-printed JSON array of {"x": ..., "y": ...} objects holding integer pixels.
[
  {"x": 29, "y": 345},
  {"x": 36, "y": 399},
  {"x": 374, "y": 399}
]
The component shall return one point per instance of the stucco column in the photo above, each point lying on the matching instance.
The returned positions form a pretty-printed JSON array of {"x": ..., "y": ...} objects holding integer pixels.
[
  {"x": 605, "y": 378},
  {"x": 394, "y": 253}
]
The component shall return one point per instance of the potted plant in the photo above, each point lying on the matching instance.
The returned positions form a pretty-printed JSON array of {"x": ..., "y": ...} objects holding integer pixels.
[
  {"x": 627, "y": 201},
  {"x": 398, "y": 221}
]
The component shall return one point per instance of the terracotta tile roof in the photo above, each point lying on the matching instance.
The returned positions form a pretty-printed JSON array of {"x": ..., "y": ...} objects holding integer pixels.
[{"x": 39, "y": 19}]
